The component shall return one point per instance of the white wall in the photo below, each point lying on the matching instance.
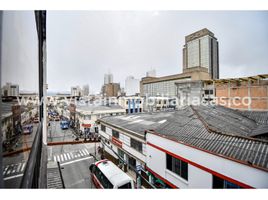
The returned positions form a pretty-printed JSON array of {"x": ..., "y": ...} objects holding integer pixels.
[
  {"x": 125, "y": 143},
  {"x": 132, "y": 86},
  {"x": 197, "y": 178}
]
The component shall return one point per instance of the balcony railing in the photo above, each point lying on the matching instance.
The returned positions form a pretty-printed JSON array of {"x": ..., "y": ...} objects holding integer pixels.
[{"x": 32, "y": 171}]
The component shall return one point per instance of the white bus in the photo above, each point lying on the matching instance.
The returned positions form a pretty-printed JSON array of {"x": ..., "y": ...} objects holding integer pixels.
[{"x": 105, "y": 174}]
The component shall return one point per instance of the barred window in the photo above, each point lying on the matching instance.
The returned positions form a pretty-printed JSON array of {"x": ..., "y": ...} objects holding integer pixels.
[
  {"x": 136, "y": 144},
  {"x": 177, "y": 166},
  {"x": 103, "y": 128}
]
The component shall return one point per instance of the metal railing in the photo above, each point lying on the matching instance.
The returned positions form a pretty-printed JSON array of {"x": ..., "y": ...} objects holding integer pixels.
[
  {"x": 61, "y": 177},
  {"x": 31, "y": 174}
]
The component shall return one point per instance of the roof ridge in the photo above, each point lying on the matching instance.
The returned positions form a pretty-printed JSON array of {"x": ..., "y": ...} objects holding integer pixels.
[{"x": 210, "y": 129}]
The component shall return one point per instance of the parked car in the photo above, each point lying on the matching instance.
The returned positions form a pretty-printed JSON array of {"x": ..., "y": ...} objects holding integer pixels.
[
  {"x": 27, "y": 129},
  {"x": 64, "y": 124},
  {"x": 57, "y": 118}
]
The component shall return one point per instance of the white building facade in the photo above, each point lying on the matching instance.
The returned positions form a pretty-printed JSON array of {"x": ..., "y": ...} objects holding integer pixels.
[
  {"x": 132, "y": 86},
  {"x": 10, "y": 90},
  {"x": 182, "y": 166},
  {"x": 87, "y": 116},
  {"x": 76, "y": 91},
  {"x": 128, "y": 145}
]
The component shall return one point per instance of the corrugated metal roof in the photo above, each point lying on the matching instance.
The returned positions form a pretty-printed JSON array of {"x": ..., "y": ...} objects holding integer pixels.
[{"x": 219, "y": 130}]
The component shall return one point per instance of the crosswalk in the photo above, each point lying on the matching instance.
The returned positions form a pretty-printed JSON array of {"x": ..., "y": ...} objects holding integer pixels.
[
  {"x": 64, "y": 157},
  {"x": 12, "y": 169}
]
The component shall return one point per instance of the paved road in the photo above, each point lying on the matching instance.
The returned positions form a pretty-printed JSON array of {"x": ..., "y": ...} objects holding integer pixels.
[
  {"x": 75, "y": 159},
  {"x": 14, "y": 166},
  {"x": 56, "y": 134},
  {"x": 76, "y": 174}
]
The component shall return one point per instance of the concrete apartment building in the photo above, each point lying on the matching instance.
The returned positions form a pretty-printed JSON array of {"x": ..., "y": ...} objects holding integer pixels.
[
  {"x": 10, "y": 90},
  {"x": 87, "y": 115},
  {"x": 132, "y": 86},
  {"x": 132, "y": 104},
  {"x": 111, "y": 90},
  {"x": 193, "y": 147},
  {"x": 245, "y": 93},
  {"x": 165, "y": 86},
  {"x": 201, "y": 50},
  {"x": 85, "y": 90},
  {"x": 200, "y": 62},
  {"x": 76, "y": 91},
  {"x": 108, "y": 78}
]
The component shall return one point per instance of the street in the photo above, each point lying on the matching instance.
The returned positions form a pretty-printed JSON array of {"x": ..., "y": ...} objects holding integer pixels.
[
  {"x": 74, "y": 159},
  {"x": 14, "y": 165}
]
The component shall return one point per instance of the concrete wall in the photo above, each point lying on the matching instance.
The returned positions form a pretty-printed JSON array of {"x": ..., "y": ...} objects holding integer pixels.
[
  {"x": 198, "y": 177},
  {"x": 125, "y": 139}
]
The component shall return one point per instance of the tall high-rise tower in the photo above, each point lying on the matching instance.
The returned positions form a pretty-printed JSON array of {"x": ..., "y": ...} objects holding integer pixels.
[
  {"x": 108, "y": 78},
  {"x": 201, "y": 50}
]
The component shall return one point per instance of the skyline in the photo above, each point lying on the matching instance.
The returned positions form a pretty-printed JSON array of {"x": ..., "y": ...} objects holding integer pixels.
[{"x": 125, "y": 43}]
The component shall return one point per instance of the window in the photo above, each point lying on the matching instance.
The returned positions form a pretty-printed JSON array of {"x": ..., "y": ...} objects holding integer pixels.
[
  {"x": 125, "y": 186},
  {"x": 208, "y": 92},
  {"x": 132, "y": 162},
  {"x": 103, "y": 128},
  {"x": 102, "y": 178},
  {"x": 177, "y": 166},
  {"x": 219, "y": 183},
  {"x": 136, "y": 144},
  {"x": 115, "y": 134},
  {"x": 87, "y": 117}
]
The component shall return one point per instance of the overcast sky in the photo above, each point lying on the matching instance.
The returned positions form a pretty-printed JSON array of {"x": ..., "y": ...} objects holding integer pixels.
[{"x": 83, "y": 45}]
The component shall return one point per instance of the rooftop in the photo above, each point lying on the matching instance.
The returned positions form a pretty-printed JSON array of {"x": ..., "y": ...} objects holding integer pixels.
[
  {"x": 96, "y": 108},
  {"x": 229, "y": 133},
  {"x": 199, "y": 34}
]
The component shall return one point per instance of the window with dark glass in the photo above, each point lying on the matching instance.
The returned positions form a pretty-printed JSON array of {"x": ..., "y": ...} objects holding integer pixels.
[
  {"x": 136, "y": 144},
  {"x": 219, "y": 183},
  {"x": 115, "y": 133},
  {"x": 103, "y": 128},
  {"x": 125, "y": 186},
  {"x": 177, "y": 166},
  {"x": 102, "y": 178},
  {"x": 208, "y": 91}
]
